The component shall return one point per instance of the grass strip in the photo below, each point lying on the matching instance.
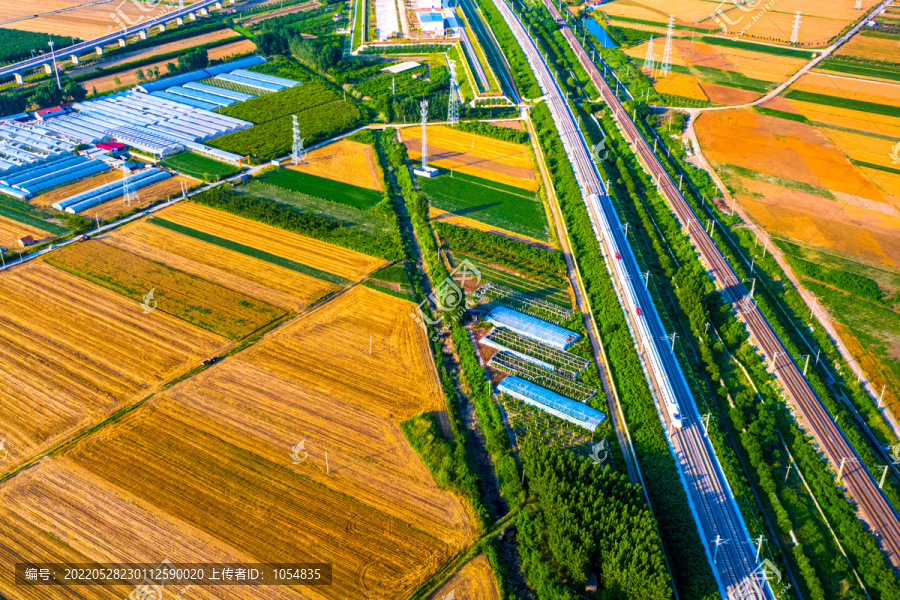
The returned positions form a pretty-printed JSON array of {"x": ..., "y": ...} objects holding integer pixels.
[
  {"x": 861, "y": 105},
  {"x": 31, "y": 220},
  {"x": 842, "y": 66},
  {"x": 761, "y": 48},
  {"x": 868, "y": 165},
  {"x": 249, "y": 251}
]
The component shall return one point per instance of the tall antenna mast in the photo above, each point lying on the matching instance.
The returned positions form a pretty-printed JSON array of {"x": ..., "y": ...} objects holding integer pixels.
[
  {"x": 795, "y": 32},
  {"x": 425, "y": 170},
  {"x": 650, "y": 61},
  {"x": 452, "y": 104},
  {"x": 298, "y": 152},
  {"x": 666, "y": 66}
]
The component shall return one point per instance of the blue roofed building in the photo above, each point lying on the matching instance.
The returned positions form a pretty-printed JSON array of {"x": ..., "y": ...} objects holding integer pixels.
[
  {"x": 552, "y": 403},
  {"x": 531, "y": 327}
]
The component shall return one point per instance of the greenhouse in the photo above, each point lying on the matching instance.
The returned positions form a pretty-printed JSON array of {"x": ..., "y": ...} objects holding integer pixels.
[
  {"x": 531, "y": 327},
  {"x": 551, "y": 402}
]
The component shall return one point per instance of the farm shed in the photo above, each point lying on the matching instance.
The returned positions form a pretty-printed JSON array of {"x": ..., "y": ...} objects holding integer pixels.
[
  {"x": 401, "y": 67},
  {"x": 531, "y": 327},
  {"x": 26, "y": 241},
  {"x": 552, "y": 403}
]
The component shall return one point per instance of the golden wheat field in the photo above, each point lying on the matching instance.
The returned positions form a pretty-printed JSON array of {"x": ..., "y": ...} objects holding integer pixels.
[
  {"x": 11, "y": 231},
  {"x": 848, "y": 88},
  {"x": 160, "y": 190},
  {"x": 89, "y": 22},
  {"x": 870, "y": 47},
  {"x": 319, "y": 255},
  {"x": 503, "y": 162},
  {"x": 22, "y": 10},
  {"x": 681, "y": 84},
  {"x": 345, "y": 161},
  {"x": 74, "y": 352},
  {"x": 214, "y": 307},
  {"x": 166, "y": 475},
  {"x": 256, "y": 277},
  {"x": 474, "y": 580},
  {"x": 843, "y": 117}
]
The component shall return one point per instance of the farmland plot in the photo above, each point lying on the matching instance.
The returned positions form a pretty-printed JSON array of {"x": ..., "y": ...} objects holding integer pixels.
[
  {"x": 74, "y": 352},
  {"x": 261, "y": 279},
  {"x": 211, "y": 306},
  {"x": 10, "y": 231},
  {"x": 488, "y": 158},
  {"x": 304, "y": 250},
  {"x": 474, "y": 580},
  {"x": 85, "y": 22},
  {"x": 345, "y": 161},
  {"x": 88, "y": 183}
]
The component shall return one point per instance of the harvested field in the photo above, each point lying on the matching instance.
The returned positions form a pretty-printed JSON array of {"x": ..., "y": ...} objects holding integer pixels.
[
  {"x": 841, "y": 117},
  {"x": 863, "y": 148},
  {"x": 849, "y": 88},
  {"x": 106, "y": 83},
  {"x": 208, "y": 305},
  {"x": 11, "y": 231},
  {"x": 157, "y": 191},
  {"x": 871, "y": 48},
  {"x": 474, "y": 580},
  {"x": 89, "y": 183},
  {"x": 185, "y": 44},
  {"x": 446, "y": 217},
  {"x": 722, "y": 94},
  {"x": 75, "y": 352},
  {"x": 261, "y": 279},
  {"x": 503, "y": 162},
  {"x": 89, "y": 22},
  {"x": 397, "y": 380},
  {"x": 780, "y": 148},
  {"x": 680, "y": 84},
  {"x": 815, "y": 30},
  {"x": 345, "y": 161},
  {"x": 21, "y": 10},
  {"x": 316, "y": 254}
]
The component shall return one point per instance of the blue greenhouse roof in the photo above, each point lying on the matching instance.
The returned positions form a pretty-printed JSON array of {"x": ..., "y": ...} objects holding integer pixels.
[
  {"x": 536, "y": 329},
  {"x": 551, "y": 402}
]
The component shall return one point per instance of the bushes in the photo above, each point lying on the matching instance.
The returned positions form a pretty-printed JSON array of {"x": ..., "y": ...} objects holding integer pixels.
[
  {"x": 16, "y": 45},
  {"x": 497, "y": 132},
  {"x": 518, "y": 64},
  {"x": 510, "y": 251}
]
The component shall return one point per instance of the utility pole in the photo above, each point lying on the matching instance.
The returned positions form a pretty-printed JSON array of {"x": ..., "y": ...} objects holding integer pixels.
[
  {"x": 883, "y": 476},
  {"x": 705, "y": 422},
  {"x": 752, "y": 287},
  {"x": 841, "y": 470},
  {"x": 327, "y": 468},
  {"x": 881, "y": 397},
  {"x": 806, "y": 366},
  {"x": 719, "y": 542},
  {"x": 673, "y": 336},
  {"x": 790, "y": 464},
  {"x": 55, "y": 69},
  {"x": 647, "y": 279},
  {"x": 775, "y": 360},
  {"x": 733, "y": 198},
  {"x": 819, "y": 351},
  {"x": 766, "y": 247},
  {"x": 812, "y": 312},
  {"x": 626, "y": 229},
  {"x": 759, "y": 543}
]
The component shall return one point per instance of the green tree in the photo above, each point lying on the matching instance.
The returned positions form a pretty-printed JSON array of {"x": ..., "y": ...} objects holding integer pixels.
[
  {"x": 77, "y": 223},
  {"x": 139, "y": 74}
]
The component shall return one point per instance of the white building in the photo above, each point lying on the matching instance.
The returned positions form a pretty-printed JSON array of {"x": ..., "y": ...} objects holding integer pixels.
[{"x": 431, "y": 4}]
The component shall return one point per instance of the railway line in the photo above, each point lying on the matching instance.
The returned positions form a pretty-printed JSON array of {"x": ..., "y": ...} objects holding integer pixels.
[
  {"x": 873, "y": 506},
  {"x": 720, "y": 524}
]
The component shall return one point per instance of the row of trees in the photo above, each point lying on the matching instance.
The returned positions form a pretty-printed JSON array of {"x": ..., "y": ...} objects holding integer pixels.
[{"x": 42, "y": 96}]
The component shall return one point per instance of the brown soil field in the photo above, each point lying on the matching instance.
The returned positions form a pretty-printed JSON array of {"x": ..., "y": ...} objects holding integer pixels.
[
  {"x": 781, "y": 148},
  {"x": 106, "y": 83},
  {"x": 871, "y": 48},
  {"x": 842, "y": 117},
  {"x": 345, "y": 161},
  {"x": 445, "y": 217},
  {"x": 89, "y": 183},
  {"x": 889, "y": 183},
  {"x": 839, "y": 224},
  {"x": 474, "y": 580},
  {"x": 21, "y": 10},
  {"x": 90, "y": 22},
  {"x": 160, "y": 190},
  {"x": 261, "y": 279},
  {"x": 203, "y": 38},
  {"x": 319, "y": 255},
  {"x": 680, "y": 84},
  {"x": 755, "y": 65},
  {"x": 722, "y": 94},
  {"x": 11, "y": 231},
  {"x": 852, "y": 89},
  {"x": 75, "y": 352},
  {"x": 504, "y": 162}
]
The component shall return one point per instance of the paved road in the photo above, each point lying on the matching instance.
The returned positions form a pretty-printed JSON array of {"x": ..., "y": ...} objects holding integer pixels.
[
  {"x": 873, "y": 506},
  {"x": 712, "y": 503},
  {"x": 82, "y": 47}
]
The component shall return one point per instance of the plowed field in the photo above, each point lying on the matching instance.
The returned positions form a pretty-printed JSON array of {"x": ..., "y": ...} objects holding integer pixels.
[
  {"x": 316, "y": 254},
  {"x": 474, "y": 580},
  {"x": 74, "y": 352}
]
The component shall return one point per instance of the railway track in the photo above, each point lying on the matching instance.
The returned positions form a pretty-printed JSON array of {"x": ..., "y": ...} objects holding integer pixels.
[
  {"x": 720, "y": 524},
  {"x": 873, "y": 506}
]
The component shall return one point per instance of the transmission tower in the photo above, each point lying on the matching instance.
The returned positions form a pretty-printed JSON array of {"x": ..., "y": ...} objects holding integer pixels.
[
  {"x": 665, "y": 66},
  {"x": 129, "y": 194},
  {"x": 298, "y": 153},
  {"x": 453, "y": 104},
  {"x": 858, "y": 4},
  {"x": 795, "y": 32},
  {"x": 650, "y": 61},
  {"x": 424, "y": 107}
]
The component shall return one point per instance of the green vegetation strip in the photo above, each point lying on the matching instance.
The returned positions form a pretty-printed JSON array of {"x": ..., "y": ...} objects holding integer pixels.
[
  {"x": 249, "y": 251},
  {"x": 7, "y": 210},
  {"x": 869, "y": 165},
  {"x": 860, "y": 105},
  {"x": 326, "y": 189},
  {"x": 842, "y": 66},
  {"x": 761, "y": 48},
  {"x": 781, "y": 114},
  {"x": 724, "y": 77},
  {"x": 199, "y": 166},
  {"x": 658, "y": 24}
]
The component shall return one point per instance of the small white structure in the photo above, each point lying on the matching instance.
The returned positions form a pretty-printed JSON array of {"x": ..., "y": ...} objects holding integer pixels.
[
  {"x": 432, "y": 21},
  {"x": 431, "y": 4}
]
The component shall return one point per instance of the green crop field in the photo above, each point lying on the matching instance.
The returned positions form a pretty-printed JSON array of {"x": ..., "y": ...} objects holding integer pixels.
[
  {"x": 528, "y": 287},
  {"x": 200, "y": 167},
  {"x": 326, "y": 189},
  {"x": 870, "y": 107},
  {"x": 843, "y": 66},
  {"x": 285, "y": 102},
  {"x": 492, "y": 203}
]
